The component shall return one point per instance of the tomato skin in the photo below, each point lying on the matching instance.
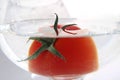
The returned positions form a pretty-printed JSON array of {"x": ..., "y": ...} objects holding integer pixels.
[{"x": 80, "y": 55}]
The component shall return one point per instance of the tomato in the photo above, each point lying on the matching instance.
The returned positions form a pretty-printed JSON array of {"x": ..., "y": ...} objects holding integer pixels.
[{"x": 80, "y": 57}]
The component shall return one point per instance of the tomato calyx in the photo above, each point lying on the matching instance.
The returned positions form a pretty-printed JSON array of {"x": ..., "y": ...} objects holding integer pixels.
[
  {"x": 48, "y": 43},
  {"x": 65, "y": 27}
]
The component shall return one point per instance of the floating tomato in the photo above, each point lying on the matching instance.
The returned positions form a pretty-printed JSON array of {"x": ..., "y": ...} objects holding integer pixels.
[{"x": 63, "y": 56}]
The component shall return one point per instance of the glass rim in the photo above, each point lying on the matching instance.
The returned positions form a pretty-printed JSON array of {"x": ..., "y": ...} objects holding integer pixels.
[{"x": 30, "y": 28}]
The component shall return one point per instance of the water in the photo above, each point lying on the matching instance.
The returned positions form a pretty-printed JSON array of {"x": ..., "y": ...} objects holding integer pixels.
[
  {"x": 16, "y": 48},
  {"x": 40, "y": 27}
]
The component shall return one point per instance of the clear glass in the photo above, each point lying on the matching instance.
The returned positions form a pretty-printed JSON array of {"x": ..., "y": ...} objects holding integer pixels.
[
  {"x": 24, "y": 19},
  {"x": 34, "y": 12}
]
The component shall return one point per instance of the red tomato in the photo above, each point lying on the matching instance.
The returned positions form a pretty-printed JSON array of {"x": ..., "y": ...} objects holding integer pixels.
[{"x": 80, "y": 55}]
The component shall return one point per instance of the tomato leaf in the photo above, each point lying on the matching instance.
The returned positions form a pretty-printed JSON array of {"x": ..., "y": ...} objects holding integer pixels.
[
  {"x": 47, "y": 40},
  {"x": 37, "y": 53},
  {"x": 72, "y": 28},
  {"x": 65, "y": 26},
  {"x": 33, "y": 38},
  {"x": 55, "y": 52},
  {"x": 69, "y": 25},
  {"x": 56, "y": 24},
  {"x": 43, "y": 40}
]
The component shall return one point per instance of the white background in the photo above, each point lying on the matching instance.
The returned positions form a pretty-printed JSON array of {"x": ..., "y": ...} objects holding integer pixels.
[{"x": 9, "y": 71}]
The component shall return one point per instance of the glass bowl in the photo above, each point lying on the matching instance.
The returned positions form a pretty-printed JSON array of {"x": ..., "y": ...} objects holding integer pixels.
[{"x": 95, "y": 37}]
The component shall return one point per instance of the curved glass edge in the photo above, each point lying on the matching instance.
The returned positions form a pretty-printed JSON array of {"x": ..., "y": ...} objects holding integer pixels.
[
  {"x": 9, "y": 53},
  {"x": 42, "y": 28}
]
